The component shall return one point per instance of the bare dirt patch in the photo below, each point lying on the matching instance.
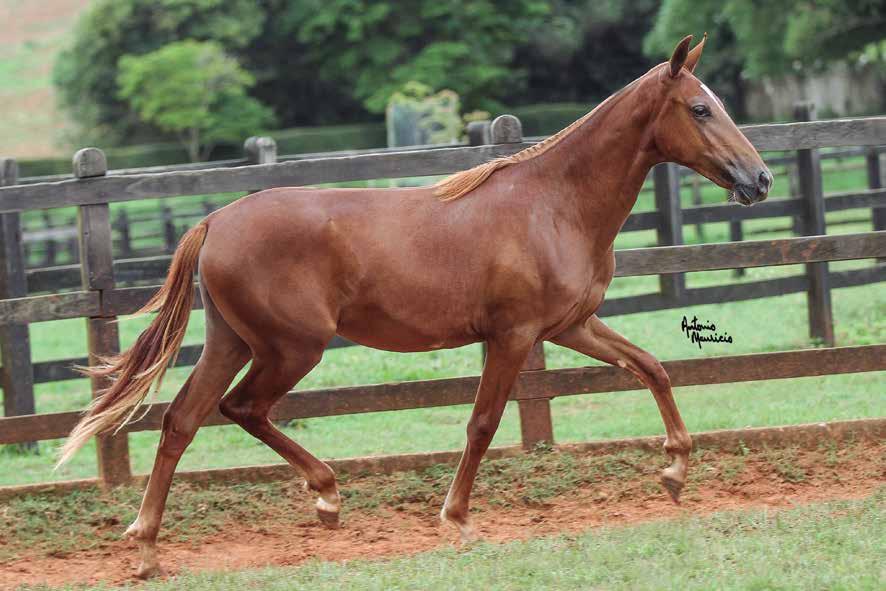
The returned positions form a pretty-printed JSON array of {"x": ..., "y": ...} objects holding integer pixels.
[{"x": 544, "y": 493}]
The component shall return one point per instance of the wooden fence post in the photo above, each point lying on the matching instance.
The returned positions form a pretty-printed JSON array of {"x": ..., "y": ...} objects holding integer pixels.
[
  {"x": 875, "y": 181},
  {"x": 478, "y": 133},
  {"x": 125, "y": 240},
  {"x": 260, "y": 150},
  {"x": 535, "y": 415},
  {"x": 697, "y": 201},
  {"x": 50, "y": 244},
  {"x": 15, "y": 342},
  {"x": 736, "y": 235},
  {"x": 666, "y": 182},
  {"x": 97, "y": 274},
  {"x": 821, "y": 315},
  {"x": 170, "y": 238},
  {"x": 536, "y": 425}
]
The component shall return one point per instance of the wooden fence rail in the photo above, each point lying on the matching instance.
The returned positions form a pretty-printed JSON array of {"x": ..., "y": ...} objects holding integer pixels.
[
  {"x": 100, "y": 300},
  {"x": 869, "y": 131}
]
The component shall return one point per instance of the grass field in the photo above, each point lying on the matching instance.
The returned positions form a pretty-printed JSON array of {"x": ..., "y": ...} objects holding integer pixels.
[
  {"x": 757, "y": 326},
  {"x": 830, "y": 546},
  {"x": 836, "y": 545},
  {"x": 614, "y": 526},
  {"x": 31, "y": 36}
]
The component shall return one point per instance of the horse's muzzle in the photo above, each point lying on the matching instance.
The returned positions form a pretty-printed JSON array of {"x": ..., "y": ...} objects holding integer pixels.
[{"x": 748, "y": 193}]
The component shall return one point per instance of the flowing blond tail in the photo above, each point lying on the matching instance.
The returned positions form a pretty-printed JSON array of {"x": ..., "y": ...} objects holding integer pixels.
[{"x": 134, "y": 371}]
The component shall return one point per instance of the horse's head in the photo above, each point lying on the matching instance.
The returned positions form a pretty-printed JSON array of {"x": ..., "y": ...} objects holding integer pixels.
[{"x": 692, "y": 128}]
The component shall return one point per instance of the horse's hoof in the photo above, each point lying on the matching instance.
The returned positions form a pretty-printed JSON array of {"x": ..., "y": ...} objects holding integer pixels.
[
  {"x": 673, "y": 486},
  {"x": 148, "y": 571},
  {"x": 329, "y": 519},
  {"x": 466, "y": 532},
  {"x": 468, "y": 535}
]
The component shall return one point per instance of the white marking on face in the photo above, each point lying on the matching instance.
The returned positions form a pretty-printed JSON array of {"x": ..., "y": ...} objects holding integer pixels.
[{"x": 711, "y": 94}]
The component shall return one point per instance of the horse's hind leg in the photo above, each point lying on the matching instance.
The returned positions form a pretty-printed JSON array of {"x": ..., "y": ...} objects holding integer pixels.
[
  {"x": 595, "y": 339},
  {"x": 223, "y": 356},
  {"x": 272, "y": 374}
]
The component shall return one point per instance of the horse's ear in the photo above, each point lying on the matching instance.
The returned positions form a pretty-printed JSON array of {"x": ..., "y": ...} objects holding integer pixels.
[
  {"x": 681, "y": 52},
  {"x": 694, "y": 54}
]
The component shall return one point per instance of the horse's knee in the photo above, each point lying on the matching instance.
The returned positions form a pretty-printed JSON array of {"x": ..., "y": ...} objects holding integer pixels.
[{"x": 481, "y": 430}]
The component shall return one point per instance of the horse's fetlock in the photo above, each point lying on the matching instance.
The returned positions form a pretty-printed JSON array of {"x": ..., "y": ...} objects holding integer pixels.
[{"x": 678, "y": 445}]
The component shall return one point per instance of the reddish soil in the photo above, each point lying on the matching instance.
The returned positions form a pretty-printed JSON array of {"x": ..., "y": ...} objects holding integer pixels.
[{"x": 413, "y": 527}]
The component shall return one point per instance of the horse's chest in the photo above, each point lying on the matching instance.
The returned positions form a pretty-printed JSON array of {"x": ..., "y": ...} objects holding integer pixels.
[{"x": 575, "y": 296}]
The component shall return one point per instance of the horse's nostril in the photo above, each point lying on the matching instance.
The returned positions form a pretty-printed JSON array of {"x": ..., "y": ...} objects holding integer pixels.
[{"x": 765, "y": 180}]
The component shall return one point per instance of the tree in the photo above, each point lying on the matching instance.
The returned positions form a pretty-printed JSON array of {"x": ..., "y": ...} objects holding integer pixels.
[
  {"x": 85, "y": 74},
  {"x": 375, "y": 47},
  {"x": 587, "y": 49},
  {"x": 723, "y": 64},
  {"x": 194, "y": 90},
  {"x": 772, "y": 38},
  {"x": 314, "y": 61}
]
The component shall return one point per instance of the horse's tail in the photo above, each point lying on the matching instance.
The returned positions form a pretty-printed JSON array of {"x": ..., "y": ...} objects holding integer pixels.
[{"x": 133, "y": 372}]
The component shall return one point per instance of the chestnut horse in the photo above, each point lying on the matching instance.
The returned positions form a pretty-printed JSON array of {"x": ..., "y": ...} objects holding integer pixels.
[{"x": 511, "y": 253}]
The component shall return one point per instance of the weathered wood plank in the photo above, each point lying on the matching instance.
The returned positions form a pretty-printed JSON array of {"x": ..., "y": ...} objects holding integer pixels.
[
  {"x": 96, "y": 257},
  {"x": 16, "y": 375},
  {"x": 644, "y": 220},
  {"x": 819, "y": 304},
  {"x": 874, "y": 171},
  {"x": 855, "y": 199},
  {"x": 788, "y": 136},
  {"x": 103, "y": 337},
  {"x": 701, "y": 296},
  {"x": 753, "y": 253},
  {"x": 639, "y": 261},
  {"x": 61, "y": 369},
  {"x": 666, "y": 184},
  {"x": 532, "y": 384},
  {"x": 248, "y": 178},
  {"x": 49, "y": 307},
  {"x": 536, "y": 426},
  {"x": 866, "y": 131},
  {"x": 730, "y": 212}
]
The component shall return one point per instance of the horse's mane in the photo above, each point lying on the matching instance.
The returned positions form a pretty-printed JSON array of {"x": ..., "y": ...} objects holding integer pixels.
[{"x": 461, "y": 183}]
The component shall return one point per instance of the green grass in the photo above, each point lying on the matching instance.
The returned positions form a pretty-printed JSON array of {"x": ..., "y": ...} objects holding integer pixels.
[{"x": 836, "y": 545}]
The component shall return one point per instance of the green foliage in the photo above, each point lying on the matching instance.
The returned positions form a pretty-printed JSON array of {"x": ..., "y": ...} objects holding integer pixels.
[
  {"x": 374, "y": 48},
  {"x": 193, "y": 90},
  {"x": 771, "y": 38},
  {"x": 416, "y": 116},
  {"x": 85, "y": 74},
  {"x": 587, "y": 49}
]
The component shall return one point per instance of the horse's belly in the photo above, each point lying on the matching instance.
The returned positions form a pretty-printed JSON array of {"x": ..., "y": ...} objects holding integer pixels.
[{"x": 404, "y": 330}]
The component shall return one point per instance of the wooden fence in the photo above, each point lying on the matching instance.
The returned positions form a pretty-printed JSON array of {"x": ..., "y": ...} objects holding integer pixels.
[
  {"x": 50, "y": 243},
  {"x": 100, "y": 300}
]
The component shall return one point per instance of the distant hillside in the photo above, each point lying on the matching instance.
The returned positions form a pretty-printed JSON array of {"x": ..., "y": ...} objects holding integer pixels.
[{"x": 31, "y": 34}]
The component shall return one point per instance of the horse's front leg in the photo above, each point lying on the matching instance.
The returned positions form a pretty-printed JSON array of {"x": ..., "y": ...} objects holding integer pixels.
[
  {"x": 595, "y": 339},
  {"x": 504, "y": 358}
]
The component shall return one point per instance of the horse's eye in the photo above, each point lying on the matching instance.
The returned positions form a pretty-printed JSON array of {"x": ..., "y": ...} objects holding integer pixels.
[{"x": 701, "y": 111}]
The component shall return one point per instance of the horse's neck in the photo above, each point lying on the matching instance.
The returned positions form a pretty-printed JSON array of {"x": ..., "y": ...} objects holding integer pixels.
[{"x": 597, "y": 171}]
